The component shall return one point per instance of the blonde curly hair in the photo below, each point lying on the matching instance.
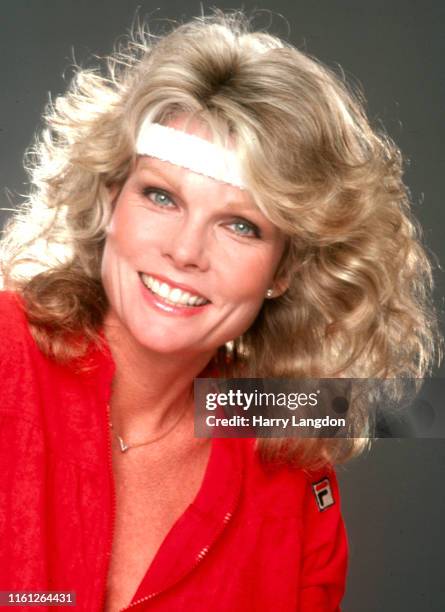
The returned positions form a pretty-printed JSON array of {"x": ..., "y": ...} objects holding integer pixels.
[{"x": 359, "y": 297}]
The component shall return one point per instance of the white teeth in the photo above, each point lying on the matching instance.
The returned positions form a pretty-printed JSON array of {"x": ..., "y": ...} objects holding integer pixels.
[
  {"x": 175, "y": 295},
  {"x": 164, "y": 290},
  {"x": 172, "y": 294},
  {"x": 184, "y": 297}
]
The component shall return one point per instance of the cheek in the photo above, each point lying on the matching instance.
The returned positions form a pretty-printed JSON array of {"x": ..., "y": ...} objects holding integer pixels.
[
  {"x": 111, "y": 270},
  {"x": 127, "y": 233},
  {"x": 249, "y": 277},
  {"x": 121, "y": 246}
]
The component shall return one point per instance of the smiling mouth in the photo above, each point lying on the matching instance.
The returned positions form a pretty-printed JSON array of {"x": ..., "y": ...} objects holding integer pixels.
[{"x": 171, "y": 294}]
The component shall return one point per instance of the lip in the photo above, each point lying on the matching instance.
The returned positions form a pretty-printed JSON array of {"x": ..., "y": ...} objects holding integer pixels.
[
  {"x": 173, "y": 284},
  {"x": 157, "y": 303}
]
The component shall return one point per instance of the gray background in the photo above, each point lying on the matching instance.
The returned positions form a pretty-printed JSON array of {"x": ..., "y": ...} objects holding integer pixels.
[{"x": 393, "y": 498}]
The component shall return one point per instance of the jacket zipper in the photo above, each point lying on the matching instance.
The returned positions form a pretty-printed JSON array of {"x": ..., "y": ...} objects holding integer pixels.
[
  {"x": 199, "y": 557},
  {"x": 113, "y": 507}
]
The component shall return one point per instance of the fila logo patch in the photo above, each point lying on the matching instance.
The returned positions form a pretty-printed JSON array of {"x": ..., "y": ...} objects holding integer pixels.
[{"x": 323, "y": 494}]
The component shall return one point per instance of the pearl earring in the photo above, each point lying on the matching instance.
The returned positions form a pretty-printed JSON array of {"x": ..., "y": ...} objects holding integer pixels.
[{"x": 269, "y": 293}]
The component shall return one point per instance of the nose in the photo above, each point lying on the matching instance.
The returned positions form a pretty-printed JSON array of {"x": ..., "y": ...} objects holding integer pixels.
[{"x": 186, "y": 245}]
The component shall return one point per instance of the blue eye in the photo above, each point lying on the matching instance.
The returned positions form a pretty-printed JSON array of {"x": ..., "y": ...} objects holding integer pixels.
[
  {"x": 158, "y": 197},
  {"x": 245, "y": 228}
]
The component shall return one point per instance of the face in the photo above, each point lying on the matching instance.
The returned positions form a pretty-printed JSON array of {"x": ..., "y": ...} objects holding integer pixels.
[{"x": 187, "y": 259}]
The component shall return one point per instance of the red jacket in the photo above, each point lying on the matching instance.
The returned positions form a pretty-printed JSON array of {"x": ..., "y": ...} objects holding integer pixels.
[{"x": 253, "y": 539}]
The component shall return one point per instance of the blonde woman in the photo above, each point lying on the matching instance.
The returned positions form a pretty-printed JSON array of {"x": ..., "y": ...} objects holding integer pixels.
[{"x": 215, "y": 204}]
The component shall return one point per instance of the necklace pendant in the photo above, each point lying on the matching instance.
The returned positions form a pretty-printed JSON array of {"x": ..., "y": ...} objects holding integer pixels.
[{"x": 122, "y": 445}]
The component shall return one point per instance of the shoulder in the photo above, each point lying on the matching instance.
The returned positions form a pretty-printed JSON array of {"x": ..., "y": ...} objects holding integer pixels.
[
  {"x": 321, "y": 482},
  {"x": 15, "y": 337},
  {"x": 17, "y": 359},
  {"x": 14, "y": 328},
  {"x": 13, "y": 319},
  {"x": 11, "y": 304}
]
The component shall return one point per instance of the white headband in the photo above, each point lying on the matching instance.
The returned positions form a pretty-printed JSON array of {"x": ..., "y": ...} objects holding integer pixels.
[{"x": 189, "y": 151}]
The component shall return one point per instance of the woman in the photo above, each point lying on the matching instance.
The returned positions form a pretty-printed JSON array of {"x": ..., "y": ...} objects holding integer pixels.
[{"x": 217, "y": 205}]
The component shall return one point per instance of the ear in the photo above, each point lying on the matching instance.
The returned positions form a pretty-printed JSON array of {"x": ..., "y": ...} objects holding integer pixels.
[{"x": 279, "y": 286}]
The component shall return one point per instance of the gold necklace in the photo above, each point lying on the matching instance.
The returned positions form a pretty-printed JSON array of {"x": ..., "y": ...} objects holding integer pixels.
[{"x": 125, "y": 447}]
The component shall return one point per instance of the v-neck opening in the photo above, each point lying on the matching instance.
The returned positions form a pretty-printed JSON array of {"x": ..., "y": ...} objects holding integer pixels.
[{"x": 201, "y": 522}]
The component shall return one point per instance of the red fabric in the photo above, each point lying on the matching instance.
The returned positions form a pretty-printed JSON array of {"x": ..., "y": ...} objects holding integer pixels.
[{"x": 252, "y": 540}]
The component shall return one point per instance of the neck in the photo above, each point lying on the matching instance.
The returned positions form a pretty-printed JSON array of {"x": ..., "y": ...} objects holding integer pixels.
[{"x": 149, "y": 389}]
